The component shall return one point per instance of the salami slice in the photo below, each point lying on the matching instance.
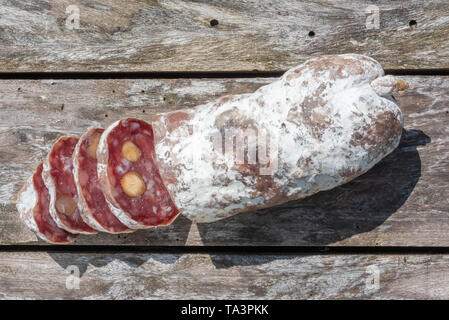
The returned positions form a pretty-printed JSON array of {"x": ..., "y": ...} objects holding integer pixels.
[
  {"x": 129, "y": 176},
  {"x": 94, "y": 209},
  {"x": 58, "y": 178},
  {"x": 33, "y": 203}
]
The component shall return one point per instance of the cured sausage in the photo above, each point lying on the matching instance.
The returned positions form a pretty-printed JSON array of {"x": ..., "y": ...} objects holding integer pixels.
[
  {"x": 130, "y": 178},
  {"x": 33, "y": 203},
  {"x": 320, "y": 125},
  {"x": 93, "y": 207},
  {"x": 58, "y": 178}
]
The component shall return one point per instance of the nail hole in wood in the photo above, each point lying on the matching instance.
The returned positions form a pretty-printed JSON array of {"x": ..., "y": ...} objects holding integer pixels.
[
  {"x": 311, "y": 34},
  {"x": 143, "y": 111},
  {"x": 413, "y": 23},
  {"x": 105, "y": 115},
  {"x": 62, "y": 107},
  {"x": 18, "y": 89},
  {"x": 214, "y": 22},
  {"x": 113, "y": 91},
  {"x": 143, "y": 91}
]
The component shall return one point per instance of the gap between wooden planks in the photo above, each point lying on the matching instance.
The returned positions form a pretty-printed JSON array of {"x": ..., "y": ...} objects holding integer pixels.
[
  {"x": 400, "y": 202},
  {"x": 186, "y": 74}
]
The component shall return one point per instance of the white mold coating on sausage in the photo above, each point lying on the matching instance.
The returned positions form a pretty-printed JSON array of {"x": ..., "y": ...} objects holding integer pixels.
[
  {"x": 26, "y": 202},
  {"x": 350, "y": 105}
]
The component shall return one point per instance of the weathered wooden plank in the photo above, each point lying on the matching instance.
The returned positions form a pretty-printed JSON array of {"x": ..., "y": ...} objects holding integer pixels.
[
  {"x": 401, "y": 202},
  {"x": 42, "y": 275},
  {"x": 175, "y": 35}
]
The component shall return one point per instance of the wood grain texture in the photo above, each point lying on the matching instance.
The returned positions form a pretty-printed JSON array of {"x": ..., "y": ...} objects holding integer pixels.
[
  {"x": 42, "y": 275},
  {"x": 175, "y": 35},
  {"x": 401, "y": 202}
]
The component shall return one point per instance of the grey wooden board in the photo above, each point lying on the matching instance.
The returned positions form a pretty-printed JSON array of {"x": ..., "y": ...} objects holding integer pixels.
[
  {"x": 401, "y": 202},
  {"x": 175, "y": 35},
  {"x": 42, "y": 275}
]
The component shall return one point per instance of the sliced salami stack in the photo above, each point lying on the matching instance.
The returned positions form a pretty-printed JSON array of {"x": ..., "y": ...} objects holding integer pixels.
[
  {"x": 58, "y": 178},
  {"x": 106, "y": 181},
  {"x": 320, "y": 125}
]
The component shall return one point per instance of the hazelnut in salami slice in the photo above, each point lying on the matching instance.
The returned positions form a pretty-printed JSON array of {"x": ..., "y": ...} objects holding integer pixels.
[
  {"x": 130, "y": 178},
  {"x": 33, "y": 204},
  {"x": 59, "y": 180},
  {"x": 94, "y": 209}
]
